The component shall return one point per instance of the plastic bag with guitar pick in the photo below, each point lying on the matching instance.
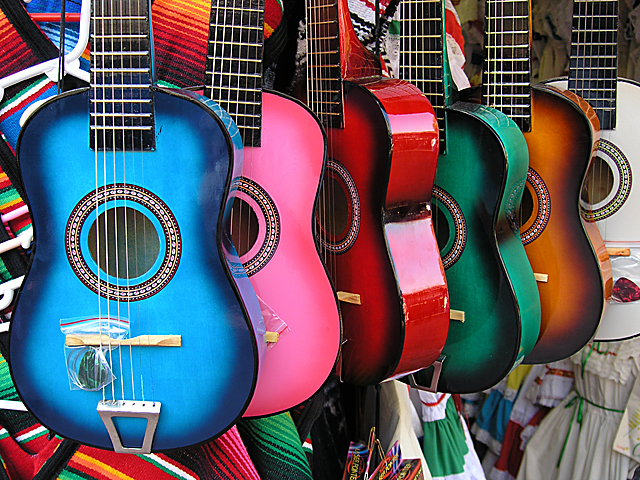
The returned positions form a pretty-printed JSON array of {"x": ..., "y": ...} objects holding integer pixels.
[{"x": 626, "y": 278}]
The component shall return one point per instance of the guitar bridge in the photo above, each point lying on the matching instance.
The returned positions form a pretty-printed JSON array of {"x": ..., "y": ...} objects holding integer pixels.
[{"x": 129, "y": 409}]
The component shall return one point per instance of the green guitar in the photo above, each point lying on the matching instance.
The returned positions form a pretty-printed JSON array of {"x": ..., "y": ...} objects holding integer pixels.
[{"x": 481, "y": 173}]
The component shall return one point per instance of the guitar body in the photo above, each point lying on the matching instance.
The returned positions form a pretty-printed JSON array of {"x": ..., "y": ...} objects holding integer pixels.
[
  {"x": 280, "y": 183},
  {"x": 615, "y": 209},
  {"x": 193, "y": 286},
  {"x": 378, "y": 235},
  {"x": 558, "y": 242},
  {"x": 477, "y": 193}
]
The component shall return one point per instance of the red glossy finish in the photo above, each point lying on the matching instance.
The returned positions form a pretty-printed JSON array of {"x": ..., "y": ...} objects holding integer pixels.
[
  {"x": 387, "y": 150},
  {"x": 394, "y": 265},
  {"x": 355, "y": 60}
]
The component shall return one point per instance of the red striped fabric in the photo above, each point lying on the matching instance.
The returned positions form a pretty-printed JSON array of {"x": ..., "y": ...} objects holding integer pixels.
[
  {"x": 13, "y": 50},
  {"x": 181, "y": 31}
]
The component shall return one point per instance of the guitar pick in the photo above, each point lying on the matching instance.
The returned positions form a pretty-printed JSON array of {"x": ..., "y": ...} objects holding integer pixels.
[{"x": 624, "y": 290}]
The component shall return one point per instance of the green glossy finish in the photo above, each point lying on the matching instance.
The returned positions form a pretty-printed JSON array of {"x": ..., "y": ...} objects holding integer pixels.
[{"x": 484, "y": 170}]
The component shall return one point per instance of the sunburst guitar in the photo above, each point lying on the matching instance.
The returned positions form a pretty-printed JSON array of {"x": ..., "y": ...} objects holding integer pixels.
[
  {"x": 608, "y": 195},
  {"x": 561, "y": 131},
  {"x": 131, "y": 331}
]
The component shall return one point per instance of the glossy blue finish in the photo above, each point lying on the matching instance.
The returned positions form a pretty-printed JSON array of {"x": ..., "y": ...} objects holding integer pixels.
[{"x": 203, "y": 385}]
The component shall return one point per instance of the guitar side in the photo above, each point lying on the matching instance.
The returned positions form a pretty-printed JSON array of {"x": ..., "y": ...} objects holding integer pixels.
[
  {"x": 558, "y": 242},
  {"x": 479, "y": 182},
  {"x": 385, "y": 255},
  {"x": 281, "y": 180},
  {"x": 175, "y": 190}
]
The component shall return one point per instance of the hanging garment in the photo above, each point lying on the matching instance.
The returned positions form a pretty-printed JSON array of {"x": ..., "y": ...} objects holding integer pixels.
[
  {"x": 447, "y": 445},
  {"x": 490, "y": 427},
  {"x": 544, "y": 387},
  {"x": 574, "y": 441}
]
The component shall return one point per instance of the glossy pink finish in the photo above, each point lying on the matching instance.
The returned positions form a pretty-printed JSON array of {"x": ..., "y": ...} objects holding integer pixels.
[{"x": 294, "y": 283}]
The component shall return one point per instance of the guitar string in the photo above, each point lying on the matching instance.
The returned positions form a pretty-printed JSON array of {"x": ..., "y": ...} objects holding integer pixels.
[
  {"x": 146, "y": 14},
  {"x": 132, "y": 155},
  {"x": 310, "y": 86},
  {"x": 94, "y": 137},
  {"x": 113, "y": 131},
  {"x": 120, "y": 85},
  {"x": 107, "y": 91}
]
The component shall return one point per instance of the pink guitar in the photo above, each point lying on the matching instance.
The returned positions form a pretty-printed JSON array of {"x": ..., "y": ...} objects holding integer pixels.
[{"x": 273, "y": 211}]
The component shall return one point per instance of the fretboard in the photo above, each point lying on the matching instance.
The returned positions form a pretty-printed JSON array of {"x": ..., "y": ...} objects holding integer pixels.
[
  {"x": 324, "y": 82},
  {"x": 506, "y": 76},
  {"x": 233, "y": 76},
  {"x": 422, "y": 54},
  {"x": 593, "y": 67},
  {"x": 121, "y": 109}
]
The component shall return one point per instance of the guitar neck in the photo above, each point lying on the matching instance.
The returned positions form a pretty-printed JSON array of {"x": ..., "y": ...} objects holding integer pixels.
[
  {"x": 593, "y": 67},
  {"x": 506, "y": 81},
  {"x": 233, "y": 75},
  {"x": 121, "y": 97},
  {"x": 324, "y": 78},
  {"x": 423, "y": 55}
]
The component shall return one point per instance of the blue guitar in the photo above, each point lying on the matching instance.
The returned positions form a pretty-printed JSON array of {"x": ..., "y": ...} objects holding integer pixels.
[{"x": 132, "y": 328}]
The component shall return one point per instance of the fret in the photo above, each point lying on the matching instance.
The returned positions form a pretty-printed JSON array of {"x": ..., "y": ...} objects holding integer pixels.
[
  {"x": 508, "y": 47},
  {"x": 500, "y": 59},
  {"x": 329, "y": 113},
  {"x": 505, "y": 17},
  {"x": 121, "y": 100},
  {"x": 416, "y": 36},
  {"x": 596, "y": 57},
  {"x": 327, "y": 6},
  {"x": 513, "y": 96},
  {"x": 120, "y": 70},
  {"x": 326, "y": 102},
  {"x": 120, "y": 54},
  {"x": 235, "y": 74},
  {"x": 122, "y": 19},
  {"x": 117, "y": 37},
  {"x": 135, "y": 115},
  {"x": 234, "y": 43},
  {"x": 323, "y": 53},
  {"x": 320, "y": 23},
  {"x": 121, "y": 127},
  {"x": 510, "y": 32},
  {"x": 242, "y": 28}
]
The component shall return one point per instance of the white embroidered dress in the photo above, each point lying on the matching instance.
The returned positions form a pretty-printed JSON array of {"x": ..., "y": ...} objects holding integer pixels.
[{"x": 574, "y": 441}]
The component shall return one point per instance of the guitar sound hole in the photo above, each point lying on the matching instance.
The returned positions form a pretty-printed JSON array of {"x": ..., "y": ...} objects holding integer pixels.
[
  {"x": 441, "y": 226},
  {"x": 333, "y": 209},
  {"x": 526, "y": 206},
  {"x": 244, "y": 226},
  {"x": 128, "y": 242},
  {"x": 598, "y": 182}
]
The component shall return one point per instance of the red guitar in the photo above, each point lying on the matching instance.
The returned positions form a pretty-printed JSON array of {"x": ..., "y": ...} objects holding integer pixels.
[{"x": 374, "y": 216}]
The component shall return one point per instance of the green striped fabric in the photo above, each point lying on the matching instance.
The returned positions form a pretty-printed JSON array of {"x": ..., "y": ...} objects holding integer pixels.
[{"x": 275, "y": 447}]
